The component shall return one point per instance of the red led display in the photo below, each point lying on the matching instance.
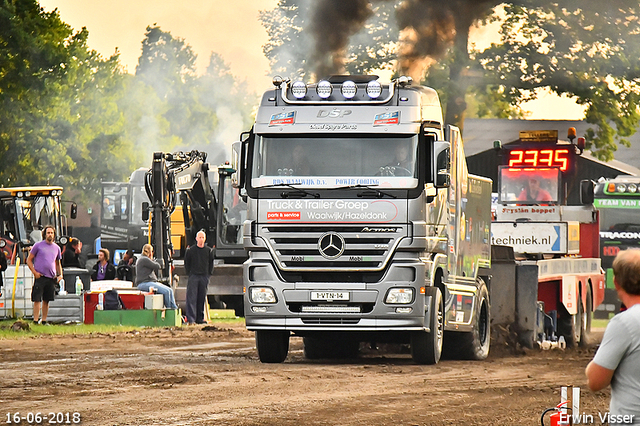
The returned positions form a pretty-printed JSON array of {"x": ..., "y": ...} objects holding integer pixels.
[{"x": 560, "y": 158}]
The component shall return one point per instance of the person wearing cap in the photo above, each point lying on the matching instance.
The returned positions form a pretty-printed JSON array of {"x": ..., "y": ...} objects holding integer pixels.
[{"x": 533, "y": 191}]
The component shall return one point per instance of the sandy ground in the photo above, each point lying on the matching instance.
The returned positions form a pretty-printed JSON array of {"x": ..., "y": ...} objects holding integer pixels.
[{"x": 211, "y": 375}]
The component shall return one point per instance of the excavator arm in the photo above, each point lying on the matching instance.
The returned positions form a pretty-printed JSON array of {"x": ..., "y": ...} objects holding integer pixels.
[{"x": 186, "y": 173}]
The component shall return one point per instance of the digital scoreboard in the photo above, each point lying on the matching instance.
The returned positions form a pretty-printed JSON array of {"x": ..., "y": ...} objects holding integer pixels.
[
  {"x": 540, "y": 157},
  {"x": 540, "y": 149}
]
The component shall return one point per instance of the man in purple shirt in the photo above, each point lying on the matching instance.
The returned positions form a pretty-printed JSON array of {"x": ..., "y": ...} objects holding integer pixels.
[{"x": 44, "y": 262}]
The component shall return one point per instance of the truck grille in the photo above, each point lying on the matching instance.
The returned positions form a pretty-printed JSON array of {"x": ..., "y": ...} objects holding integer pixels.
[
  {"x": 298, "y": 248},
  {"x": 331, "y": 321}
]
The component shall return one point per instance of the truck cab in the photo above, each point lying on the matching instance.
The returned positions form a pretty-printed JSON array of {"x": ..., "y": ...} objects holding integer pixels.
[{"x": 363, "y": 223}]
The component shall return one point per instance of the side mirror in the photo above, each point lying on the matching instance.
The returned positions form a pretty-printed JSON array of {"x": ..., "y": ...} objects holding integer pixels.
[
  {"x": 441, "y": 165},
  {"x": 145, "y": 211},
  {"x": 587, "y": 188},
  {"x": 236, "y": 154},
  {"x": 74, "y": 211}
]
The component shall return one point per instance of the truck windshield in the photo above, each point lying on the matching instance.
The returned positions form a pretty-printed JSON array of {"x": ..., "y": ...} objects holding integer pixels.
[
  {"x": 529, "y": 185},
  {"x": 115, "y": 202},
  {"x": 33, "y": 214},
  {"x": 138, "y": 196},
  {"x": 334, "y": 161},
  {"x": 619, "y": 219}
]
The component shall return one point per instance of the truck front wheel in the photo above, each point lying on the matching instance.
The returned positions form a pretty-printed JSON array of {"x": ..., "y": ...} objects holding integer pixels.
[
  {"x": 273, "y": 346},
  {"x": 426, "y": 347},
  {"x": 474, "y": 344}
]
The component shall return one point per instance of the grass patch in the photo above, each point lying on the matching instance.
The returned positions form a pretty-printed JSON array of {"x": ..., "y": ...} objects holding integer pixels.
[
  {"x": 215, "y": 314},
  {"x": 224, "y": 317},
  {"x": 599, "y": 323},
  {"x": 57, "y": 329}
]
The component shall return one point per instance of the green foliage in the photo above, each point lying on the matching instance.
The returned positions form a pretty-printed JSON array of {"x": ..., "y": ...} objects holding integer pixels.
[
  {"x": 188, "y": 111},
  {"x": 70, "y": 117},
  {"x": 584, "y": 49},
  {"x": 587, "y": 50},
  {"x": 58, "y": 101}
]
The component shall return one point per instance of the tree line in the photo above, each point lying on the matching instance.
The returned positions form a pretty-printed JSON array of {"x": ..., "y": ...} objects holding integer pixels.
[
  {"x": 73, "y": 118},
  {"x": 585, "y": 49}
]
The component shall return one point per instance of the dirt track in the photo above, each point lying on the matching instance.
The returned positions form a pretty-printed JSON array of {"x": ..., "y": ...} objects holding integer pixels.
[{"x": 212, "y": 376}]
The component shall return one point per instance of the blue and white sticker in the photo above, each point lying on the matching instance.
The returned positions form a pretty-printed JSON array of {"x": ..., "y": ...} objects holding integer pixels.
[
  {"x": 387, "y": 119},
  {"x": 283, "y": 118}
]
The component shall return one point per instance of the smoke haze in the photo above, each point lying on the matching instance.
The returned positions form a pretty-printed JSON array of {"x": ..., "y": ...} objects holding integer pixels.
[
  {"x": 332, "y": 23},
  {"x": 428, "y": 29}
]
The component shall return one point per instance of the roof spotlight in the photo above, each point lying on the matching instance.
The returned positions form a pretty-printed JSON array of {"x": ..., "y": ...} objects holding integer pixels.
[
  {"x": 299, "y": 89},
  {"x": 632, "y": 187},
  {"x": 349, "y": 89},
  {"x": 324, "y": 89},
  {"x": 374, "y": 89}
]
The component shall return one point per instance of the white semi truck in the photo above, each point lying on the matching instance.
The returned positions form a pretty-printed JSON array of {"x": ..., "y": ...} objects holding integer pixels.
[{"x": 363, "y": 223}]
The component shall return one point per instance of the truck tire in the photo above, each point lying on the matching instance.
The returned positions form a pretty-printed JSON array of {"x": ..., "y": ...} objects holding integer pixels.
[
  {"x": 426, "y": 347},
  {"x": 586, "y": 319},
  {"x": 474, "y": 344},
  {"x": 330, "y": 348},
  {"x": 273, "y": 346}
]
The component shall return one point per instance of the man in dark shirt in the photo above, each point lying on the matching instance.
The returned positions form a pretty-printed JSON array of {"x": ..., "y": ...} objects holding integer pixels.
[
  {"x": 71, "y": 254},
  {"x": 198, "y": 263}
]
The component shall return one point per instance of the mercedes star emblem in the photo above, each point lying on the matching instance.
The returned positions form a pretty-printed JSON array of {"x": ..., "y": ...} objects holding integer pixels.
[{"x": 331, "y": 245}]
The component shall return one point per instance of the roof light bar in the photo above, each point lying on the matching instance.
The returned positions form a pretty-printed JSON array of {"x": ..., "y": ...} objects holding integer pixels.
[
  {"x": 349, "y": 89},
  {"x": 299, "y": 89},
  {"x": 374, "y": 89},
  {"x": 324, "y": 89}
]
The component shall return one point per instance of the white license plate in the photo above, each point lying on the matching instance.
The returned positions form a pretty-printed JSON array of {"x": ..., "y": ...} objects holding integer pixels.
[{"x": 329, "y": 295}]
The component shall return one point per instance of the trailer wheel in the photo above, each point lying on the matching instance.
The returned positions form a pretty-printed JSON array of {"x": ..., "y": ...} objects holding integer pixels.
[
  {"x": 272, "y": 346},
  {"x": 330, "y": 348},
  {"x": 570, "y": 326},
  {"x": 475, "y": 344},
  {"x": 586, "y": 319},
  {"x": 426, "y": 347}
]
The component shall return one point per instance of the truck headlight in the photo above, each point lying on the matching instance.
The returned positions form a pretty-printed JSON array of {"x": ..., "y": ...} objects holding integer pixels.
[
  {"x": 262, "y": 295},
  {"x": 399, "y": 296}
]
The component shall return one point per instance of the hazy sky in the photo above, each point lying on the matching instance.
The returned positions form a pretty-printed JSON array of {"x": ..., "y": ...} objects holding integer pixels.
[{"x": 230, "y": 28}]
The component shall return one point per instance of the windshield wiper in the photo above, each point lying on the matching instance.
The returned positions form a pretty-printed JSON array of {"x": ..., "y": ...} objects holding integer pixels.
[
  {"x": 375, "y": 191},
  {"x": 300, "y": 191}
]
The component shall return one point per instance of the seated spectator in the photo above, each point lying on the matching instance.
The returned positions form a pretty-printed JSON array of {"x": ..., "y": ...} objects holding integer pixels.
[
  {"x": 71, "y": 254},
  {"x": 146, "y": 277},
  {"x": 126, "y": 266},
  {"x": 103, "y": 270}
]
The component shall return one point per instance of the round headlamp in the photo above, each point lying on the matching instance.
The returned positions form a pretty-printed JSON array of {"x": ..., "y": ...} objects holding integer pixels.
[
  {"x": 349, "y": 89},
  {"x": 632, "y": 187},
  {"x": 621, "y": 187},
  {"x": 27, "y": 194},
  {"x": 374, "y": 89},
  {"x": 299, "y": 89},
  {"x": 324, "y": 89}
]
